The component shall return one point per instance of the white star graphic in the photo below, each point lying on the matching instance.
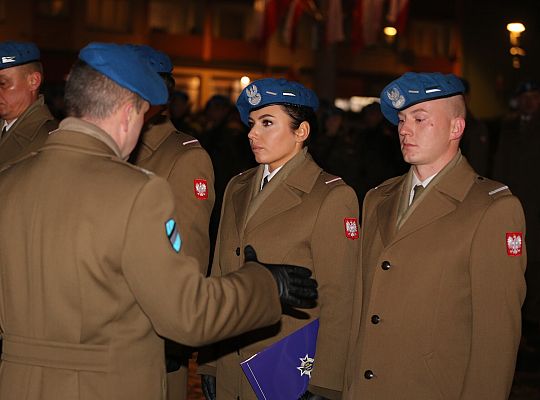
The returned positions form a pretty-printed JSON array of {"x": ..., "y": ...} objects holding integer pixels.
[{"x": 306, "y": 365}]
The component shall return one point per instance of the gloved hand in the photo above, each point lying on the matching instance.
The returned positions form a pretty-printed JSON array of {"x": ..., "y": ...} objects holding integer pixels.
[
  {"x": 295, "y": 286},
  {"x": 208, "y": 386},
  {"x": 172, "y": 364},
  {"x": 310, "y": 396}
]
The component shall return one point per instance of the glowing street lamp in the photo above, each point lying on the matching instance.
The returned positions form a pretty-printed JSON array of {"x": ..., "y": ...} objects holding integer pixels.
[
  {"x": 390, "y": 34},
  {"x": 515, "y": 29}
]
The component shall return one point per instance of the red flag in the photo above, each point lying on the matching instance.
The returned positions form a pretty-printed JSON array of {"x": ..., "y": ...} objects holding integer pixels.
[
  {"x": 266, "y": 17},
  {"x": 334, "y": 22},
  {"x": 367, "y": 22},
  {"x": 295, "y": 11},
  {"x": 398, "y": 12}
]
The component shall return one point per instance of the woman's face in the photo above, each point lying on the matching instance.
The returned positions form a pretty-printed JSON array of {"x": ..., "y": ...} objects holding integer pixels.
[{"x": 271, "y": 137}]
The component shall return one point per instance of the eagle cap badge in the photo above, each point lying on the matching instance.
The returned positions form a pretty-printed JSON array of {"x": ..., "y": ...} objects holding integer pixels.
[
  {"x": 253, "y": 95},
  {"x": 396, "y": 97}
]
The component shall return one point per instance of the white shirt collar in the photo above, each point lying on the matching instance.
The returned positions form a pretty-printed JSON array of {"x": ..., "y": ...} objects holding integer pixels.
[
  {"x": 9, "y": 125},
  {"x": 416, "y": 181},
  {"x": 269, "y": 174}
]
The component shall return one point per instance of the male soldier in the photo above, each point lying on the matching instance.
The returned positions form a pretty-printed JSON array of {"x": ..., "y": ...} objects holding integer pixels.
[
  {"x": 92, "y": 272},
  {"x": 25, "y": 120},
  {"x": 516, "y": 161},
  {"x": 186, "y": 166},
  {"x": 443, "y": 260}
]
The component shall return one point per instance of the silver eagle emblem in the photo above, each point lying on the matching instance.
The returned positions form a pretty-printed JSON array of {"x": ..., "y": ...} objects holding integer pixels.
[
  {"x": 395, "y": 97},
  {"x": 514, "y": 243},
  {"x": 253, "y": 95}
]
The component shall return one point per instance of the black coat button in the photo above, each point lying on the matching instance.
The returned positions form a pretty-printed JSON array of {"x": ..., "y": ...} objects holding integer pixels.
[
  {"x": 385, "y": 265},
  {"x": 369, "y": 374},
  {"x": 375, "y": 319},
  {"x": 238, "y": 251}
]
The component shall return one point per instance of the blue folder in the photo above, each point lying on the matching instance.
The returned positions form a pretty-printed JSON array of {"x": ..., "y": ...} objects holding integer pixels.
[{"x": 282, "y": 370}]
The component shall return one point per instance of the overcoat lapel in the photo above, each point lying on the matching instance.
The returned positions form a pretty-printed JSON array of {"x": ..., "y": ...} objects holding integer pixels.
[
  {"x": 242, "y": 197},
  {"x": 389, "y": 207},
  {"x": 284, "y": 194},
  {"x": 281, "y": 199},
  {"x": 443, "y": 199},
  {"x": 151, "y": 139}
]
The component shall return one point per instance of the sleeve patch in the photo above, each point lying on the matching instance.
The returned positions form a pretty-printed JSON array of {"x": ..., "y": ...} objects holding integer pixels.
[
  {"x": 514, "y": 243},
  {"x": 200, "y": 186},
  {"x": 173, "y": 235},
  {"x": 351, "y": 228}
]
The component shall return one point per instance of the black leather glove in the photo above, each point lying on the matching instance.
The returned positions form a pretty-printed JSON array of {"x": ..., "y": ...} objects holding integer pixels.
[
  {"x": 172, "y": 364},
  {"x": 295, "y": 286},
  {"x": 208, "y": 386},
  {"x": 310, "y": 396}
]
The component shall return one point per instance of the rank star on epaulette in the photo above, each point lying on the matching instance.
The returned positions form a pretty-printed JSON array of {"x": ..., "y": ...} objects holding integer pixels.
[
  {"x": 200, "y": 187},
  {"x": 306, "y": 365},
  {"x": 351, "y": 228},
  {"x": 514, "y": 243}
]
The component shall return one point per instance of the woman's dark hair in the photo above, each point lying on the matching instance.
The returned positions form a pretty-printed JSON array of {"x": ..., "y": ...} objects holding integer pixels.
[{"x": 300, "y": 114}]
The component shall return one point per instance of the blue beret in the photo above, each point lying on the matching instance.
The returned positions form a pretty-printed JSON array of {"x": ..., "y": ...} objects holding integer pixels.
[
  {"x": 158, "y": 61},
  {"x": 123, "y": 65},
  {"x": 269, "y": 91},
  {"x": 17, "y": 53},
  {"x": 413, "y": 88}
]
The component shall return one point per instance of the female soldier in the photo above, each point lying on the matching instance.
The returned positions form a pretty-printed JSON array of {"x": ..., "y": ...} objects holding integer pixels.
[{"x": 291, "y": 212}]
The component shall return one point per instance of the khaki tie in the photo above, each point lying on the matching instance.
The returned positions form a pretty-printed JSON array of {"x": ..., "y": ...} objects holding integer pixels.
[
  {"x": 418, "y": 189},
  {"x": 264, "y": 182}
]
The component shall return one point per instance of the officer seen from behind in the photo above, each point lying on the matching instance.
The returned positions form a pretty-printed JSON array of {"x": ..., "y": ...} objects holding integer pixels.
[{"x": 92, "y": 271}]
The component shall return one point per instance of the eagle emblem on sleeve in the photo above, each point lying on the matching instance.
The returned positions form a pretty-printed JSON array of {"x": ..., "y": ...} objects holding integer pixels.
[
  {"x": 200, "y": 187},
  {"x": 514, "y": 243},
  {"x": 351, "y": 228}
]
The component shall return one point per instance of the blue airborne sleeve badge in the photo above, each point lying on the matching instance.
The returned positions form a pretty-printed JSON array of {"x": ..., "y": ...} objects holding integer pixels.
[{"x": 172, "y": 233}]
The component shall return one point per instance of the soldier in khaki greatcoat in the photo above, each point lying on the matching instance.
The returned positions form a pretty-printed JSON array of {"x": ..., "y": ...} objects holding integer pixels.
[
  {"x": 180, "y": 159},
  {"x": 443, "y": 261},
  {"x": 25, "y": 120},
  {"x": 293, "y": 212},
  {"x": 92, "y": 272}
]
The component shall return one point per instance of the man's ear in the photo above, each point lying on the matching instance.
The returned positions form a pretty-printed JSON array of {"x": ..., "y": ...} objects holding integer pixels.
[
  {"x": 458, "y": 126},
  {"x": 302, "y": 133},
  {"x": 34, "y": 80},
  {"x": 126, "y": 115}
]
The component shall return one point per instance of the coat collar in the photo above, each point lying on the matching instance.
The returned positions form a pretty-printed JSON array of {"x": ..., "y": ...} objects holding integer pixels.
[
  {"x": 443, "y": 198},
  {"x": 83, "y": 136},
  {"x": 251, "y": 211},
  {"x": 30, "y": 120},
  {"x": 155, "y": 132}
]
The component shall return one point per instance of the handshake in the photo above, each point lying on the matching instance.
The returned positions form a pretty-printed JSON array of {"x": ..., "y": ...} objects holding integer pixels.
[{"x": 296, "y": 288}]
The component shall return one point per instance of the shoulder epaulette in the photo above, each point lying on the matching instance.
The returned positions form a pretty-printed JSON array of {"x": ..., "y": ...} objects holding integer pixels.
[{"x": 498, "y": 190}]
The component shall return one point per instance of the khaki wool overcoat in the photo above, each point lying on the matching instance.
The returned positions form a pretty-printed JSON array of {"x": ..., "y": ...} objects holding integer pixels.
[
  {"x": 90, "y": 281},
  {"x": 440, "y": 307},
  {"x": 180, "y": 159},
  {"x": 28, "y": 133},
  {"x": 298, "y": 218}
]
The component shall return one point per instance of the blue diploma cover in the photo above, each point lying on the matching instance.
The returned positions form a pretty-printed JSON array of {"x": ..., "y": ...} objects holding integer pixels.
[{"x": 282, "y": 370}]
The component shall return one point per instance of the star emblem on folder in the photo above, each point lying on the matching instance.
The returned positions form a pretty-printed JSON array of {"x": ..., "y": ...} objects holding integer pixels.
[{"x": 306, "y": 365}]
